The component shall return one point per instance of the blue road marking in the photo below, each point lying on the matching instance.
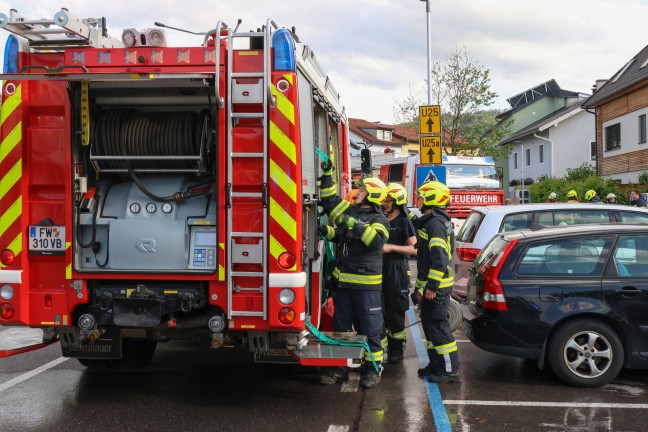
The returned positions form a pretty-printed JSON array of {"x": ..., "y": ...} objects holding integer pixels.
[{"x": 441, "y": 420}]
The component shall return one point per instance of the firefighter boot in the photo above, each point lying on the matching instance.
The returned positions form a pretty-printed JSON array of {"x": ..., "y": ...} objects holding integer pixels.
[
  {"x": 334, "y": 375},
  {"x": 396, "y": 350},
  {"x": 452, "y": 377},
  {"x": 370, "y": 377}
]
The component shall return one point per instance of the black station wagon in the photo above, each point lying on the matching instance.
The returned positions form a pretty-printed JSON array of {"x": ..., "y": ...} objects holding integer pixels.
[{"x": 575, "y": 297}]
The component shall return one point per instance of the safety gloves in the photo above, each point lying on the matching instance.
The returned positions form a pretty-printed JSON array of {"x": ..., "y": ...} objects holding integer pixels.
[{"x": 347, "y": 220}]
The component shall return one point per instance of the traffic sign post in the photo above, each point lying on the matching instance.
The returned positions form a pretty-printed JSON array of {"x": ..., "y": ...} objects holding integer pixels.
[
  {"x": 430, "y": 150},
  {"x": 430, "y": 119}
]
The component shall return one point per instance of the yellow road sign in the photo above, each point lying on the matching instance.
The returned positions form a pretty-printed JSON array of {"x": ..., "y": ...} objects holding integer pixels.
[
  {"x": 430, "y": 150},
  {"x": 430, "y": 119}
]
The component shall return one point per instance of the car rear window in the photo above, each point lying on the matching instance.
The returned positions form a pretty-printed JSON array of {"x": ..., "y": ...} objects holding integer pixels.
[
  {"x": 492, "y": 249},
  {"x": 584, "y": 256},
  {"x": 470, "y": 227}
]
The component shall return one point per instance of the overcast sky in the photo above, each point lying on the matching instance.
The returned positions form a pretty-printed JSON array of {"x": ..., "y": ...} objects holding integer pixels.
[{"x": 374, "y": 50}]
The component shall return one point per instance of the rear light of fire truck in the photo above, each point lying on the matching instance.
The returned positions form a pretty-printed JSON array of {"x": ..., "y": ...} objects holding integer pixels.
[
  {"x": 6, "y": 311},
  {"x": 7, "y": 257},
  {"x": 286, "y": 260},
  {"x": 493, "y": 295},
  {"x": 6, "y": 292},
  {"x": 287, "y": 316},
  {"x": 467, "y": 254}
]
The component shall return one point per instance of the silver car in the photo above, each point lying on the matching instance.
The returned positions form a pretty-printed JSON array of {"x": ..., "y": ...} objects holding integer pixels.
[{"x": 485, "y": 222}]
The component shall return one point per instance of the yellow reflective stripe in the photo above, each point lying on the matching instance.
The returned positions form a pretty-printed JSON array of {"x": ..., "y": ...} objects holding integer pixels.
[
  {"x": 284, "y": 105},
  {"x": 289, "y": 78},
  {"x": 420, "y": 283},
  {"x": 430, "y": 345},
  {"x": 221, "y": 272},
  {"x": 422, "y": 234},
  {"x": 340, "y": 208},
  {"x": 437, "y": 242},
  {"x": 283, "y": 218},
  {"x": 377, "y": 356},
  {"x": 380, "y": 227},
  {"x": 330, "y": 232},
  {"x": 447, "y": 348},
  {"x": 357, "y": 278},
  {"x": 10, "y": 142},
  {"x": 10, "y": 104},
  {"x": 327, "y": 192},
  {"x": 436, "y": 274},
  {"x": 398, "y": 335},
  {"x": 11, "y": 215},
  {"x": 446, "y": 283},
  {"x": 384, "y": 342},
  {"x": 283, "y": 142},
  {"x": 283, "y": 180},
  {"x": 10, "y": 179},
  {"x": 368, "y": 235},
  {"x": 68, "y": 271}
]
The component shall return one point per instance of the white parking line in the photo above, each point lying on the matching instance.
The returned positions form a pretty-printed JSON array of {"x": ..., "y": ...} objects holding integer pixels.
[
  {"x": 546, "y": 404},
  {"x": 352, "y": 384},
  {"x": 338, "y": 428},
  {"x": 30, "y": 374}
]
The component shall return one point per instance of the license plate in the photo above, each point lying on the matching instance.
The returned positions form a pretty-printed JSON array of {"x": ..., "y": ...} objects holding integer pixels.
[{"x": 46, "y": 240}]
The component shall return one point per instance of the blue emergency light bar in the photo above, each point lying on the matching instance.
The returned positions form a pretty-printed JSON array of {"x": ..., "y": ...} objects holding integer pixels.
[
  {"x": 11, "y": 55},
  {"x": 284, "y": 50}
]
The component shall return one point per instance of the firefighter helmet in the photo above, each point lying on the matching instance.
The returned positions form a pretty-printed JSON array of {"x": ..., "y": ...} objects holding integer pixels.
[
  {"x": 590, "y": 194},
  {"x": 553, "y": 196},
  {"x": 610, "y": 196},
  {"x": 376, "y": 190},
  {"x": 434, "y": 193},
  {"x": 572, "y": 194},
  {"x": 397, "y": 192}
]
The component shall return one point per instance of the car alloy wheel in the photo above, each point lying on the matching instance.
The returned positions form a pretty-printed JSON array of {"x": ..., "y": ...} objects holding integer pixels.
[{"x": 586, "y": 353}]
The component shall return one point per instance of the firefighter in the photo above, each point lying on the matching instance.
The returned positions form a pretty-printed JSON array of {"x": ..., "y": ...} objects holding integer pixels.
[
  {"x": 396, "y": 280},
  {"x": 553, "y": 197},
  {"x": 435, "y": 233},
  {"x": 357, "y": 278},
  {"x": 590, "y": 196},
  {"x": 572, "y": 196}
]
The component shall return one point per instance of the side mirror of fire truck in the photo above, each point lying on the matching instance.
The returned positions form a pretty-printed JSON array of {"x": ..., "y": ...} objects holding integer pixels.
[{"x": 365, "y": 162}]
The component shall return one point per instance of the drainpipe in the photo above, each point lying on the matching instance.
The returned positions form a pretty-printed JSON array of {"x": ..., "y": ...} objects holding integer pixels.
[
  {"x": 552, "y": 150},
  {"x": 587, "y": 110}
]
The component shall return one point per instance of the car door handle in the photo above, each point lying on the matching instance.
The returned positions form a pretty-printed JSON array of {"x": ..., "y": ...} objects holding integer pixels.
[{"x": 629, "y": 291}]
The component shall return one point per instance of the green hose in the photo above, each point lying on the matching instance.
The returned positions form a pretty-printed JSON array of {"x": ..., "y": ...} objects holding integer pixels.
[{"x": 332, "y": 341}]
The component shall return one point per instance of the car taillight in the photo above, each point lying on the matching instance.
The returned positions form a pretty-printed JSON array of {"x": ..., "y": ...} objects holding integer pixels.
[
  {"x": 467, "y": 254},
  {"x": 493, "y": 292}
]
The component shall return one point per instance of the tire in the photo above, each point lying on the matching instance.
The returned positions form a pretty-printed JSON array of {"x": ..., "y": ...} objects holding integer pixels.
[
  {"x": 95, "y": 363},
  {"x": 594, "y": 366},
  {"x": 455, "y": 317}
]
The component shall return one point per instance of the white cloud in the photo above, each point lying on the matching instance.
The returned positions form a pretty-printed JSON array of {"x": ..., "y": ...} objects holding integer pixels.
[{"x": 374, "y": 50}]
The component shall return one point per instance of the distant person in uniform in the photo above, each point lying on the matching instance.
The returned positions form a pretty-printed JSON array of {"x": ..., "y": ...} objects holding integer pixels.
[
  {"x": 591, "y": 197},
  {"x": 553, "y": 197},
  {"x": 572, "y": 196}
]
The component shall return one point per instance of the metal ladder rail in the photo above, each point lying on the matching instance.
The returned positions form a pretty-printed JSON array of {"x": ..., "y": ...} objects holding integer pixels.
[
  {"x": 74, "y": 31},
  {"x": 230, "y": 155}
]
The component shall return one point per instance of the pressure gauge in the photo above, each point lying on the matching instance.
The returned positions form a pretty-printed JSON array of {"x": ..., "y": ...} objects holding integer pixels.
[
  {"x": 151, "y": 207},
  {"x": 167, "y": 207},
  {"x": 135, "y": 208}
]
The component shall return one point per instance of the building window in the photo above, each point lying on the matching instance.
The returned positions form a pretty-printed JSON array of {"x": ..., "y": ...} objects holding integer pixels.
[
  {"x": 642, "y": 129},
  {"x": 387, "y": 136},
  {"x": 613, "y": 137},
  {"x": 593, "y": 150},
  {"x": 379, "y": 134},
  {"x": 541, "y": 153},
  {"x": 528, "y": 157},
  {"x": 515, "y": 161}
]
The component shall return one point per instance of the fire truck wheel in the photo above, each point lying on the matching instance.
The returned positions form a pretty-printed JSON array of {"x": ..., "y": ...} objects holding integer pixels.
[
  {"x": 455, "y": 317},
  {"x": 137, "y": 353}
]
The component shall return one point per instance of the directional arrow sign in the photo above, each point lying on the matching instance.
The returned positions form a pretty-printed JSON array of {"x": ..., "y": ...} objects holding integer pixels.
[
  {"x": 430, "y": 150},
  {"x": 430, "y": 119}
]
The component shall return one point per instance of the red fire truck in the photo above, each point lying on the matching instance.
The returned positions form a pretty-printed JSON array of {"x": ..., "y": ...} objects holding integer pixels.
[
  {"x": 473, "y": 181},
  {"x": 152, "y": 193}
]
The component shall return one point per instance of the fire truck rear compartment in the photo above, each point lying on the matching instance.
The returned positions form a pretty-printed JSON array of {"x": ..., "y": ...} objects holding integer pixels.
[{"x": 148, "y": 173}]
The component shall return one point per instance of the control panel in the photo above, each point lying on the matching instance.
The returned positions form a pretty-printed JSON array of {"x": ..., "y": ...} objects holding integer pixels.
[{"x": 202, "y": 250}]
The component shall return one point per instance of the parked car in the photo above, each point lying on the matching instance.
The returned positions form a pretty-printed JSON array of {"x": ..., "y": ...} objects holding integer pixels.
[
  {"x": 485, "y": 222},
  {"x": 575, "y": 297}
]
